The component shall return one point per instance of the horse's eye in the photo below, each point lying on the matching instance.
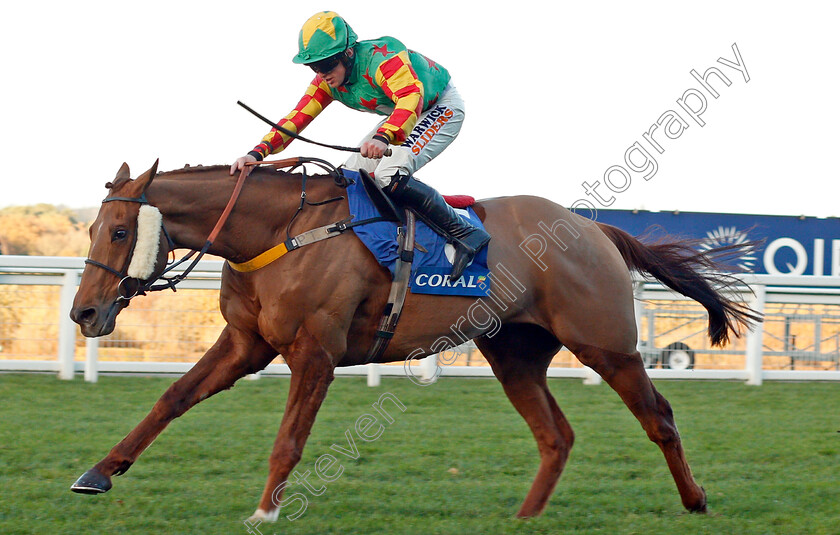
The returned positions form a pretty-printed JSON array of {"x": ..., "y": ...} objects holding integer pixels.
[{"x": 119, "y": 234}]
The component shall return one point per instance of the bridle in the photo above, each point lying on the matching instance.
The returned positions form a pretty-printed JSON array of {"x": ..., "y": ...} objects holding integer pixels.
[
  {"x": 123, "y": 293},
  {"x": 152, "y": 284}
]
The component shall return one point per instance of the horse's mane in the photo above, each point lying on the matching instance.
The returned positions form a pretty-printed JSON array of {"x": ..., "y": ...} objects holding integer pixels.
[
  {"x": 192, "y": 169},
  {"x": 188, "y": 169}
]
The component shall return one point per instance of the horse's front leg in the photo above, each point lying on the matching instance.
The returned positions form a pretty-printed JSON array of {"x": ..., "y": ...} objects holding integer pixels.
[
  {"x": 234, "y": 355},
  {"x": 312, "y": 372}
]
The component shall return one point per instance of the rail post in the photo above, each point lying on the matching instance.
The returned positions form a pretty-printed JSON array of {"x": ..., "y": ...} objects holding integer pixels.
[
  {"x": 591, "y": 377},
  {"x": 66, "y": 327},
  {"x": 429, "y": 367},
  {"x": 638, "y": 310},
  {"x": 755, "y": 339},
  {"x": 374, "y": 374},
  {"x": 92, "y": 360}
]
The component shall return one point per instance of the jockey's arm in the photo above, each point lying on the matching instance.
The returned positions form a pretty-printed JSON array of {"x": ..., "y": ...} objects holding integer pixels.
[
  {"x": 398, "y": 80},
  {"x": 318, "y": 95}
]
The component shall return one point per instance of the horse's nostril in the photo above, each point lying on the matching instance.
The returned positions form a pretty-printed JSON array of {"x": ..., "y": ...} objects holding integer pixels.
[{"x": 84, "y": 317}]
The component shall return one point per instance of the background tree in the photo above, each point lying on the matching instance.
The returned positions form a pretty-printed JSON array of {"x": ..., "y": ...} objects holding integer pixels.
[{"x": 42, "y": 229}]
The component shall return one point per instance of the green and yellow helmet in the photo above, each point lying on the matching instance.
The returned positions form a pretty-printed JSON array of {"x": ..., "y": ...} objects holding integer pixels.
[{"x": 325, "y": 34}]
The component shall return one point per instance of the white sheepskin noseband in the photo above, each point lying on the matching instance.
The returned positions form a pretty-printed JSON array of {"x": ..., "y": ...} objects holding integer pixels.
[{"x": 149, "y": 224}]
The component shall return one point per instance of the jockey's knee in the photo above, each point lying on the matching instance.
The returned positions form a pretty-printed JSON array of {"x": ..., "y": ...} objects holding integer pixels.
[
  {"x": 399, "y": 162},
  {"x": 356, "y": 161}
]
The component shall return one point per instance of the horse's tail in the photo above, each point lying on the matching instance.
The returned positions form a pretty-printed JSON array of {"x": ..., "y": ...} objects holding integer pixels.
[{"x": 679, "y": 266}]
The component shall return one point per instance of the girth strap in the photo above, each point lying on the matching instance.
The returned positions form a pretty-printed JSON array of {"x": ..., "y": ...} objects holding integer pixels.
[
  {"x": 309, "y": 237},
  {"x": 399, "y": 289}
]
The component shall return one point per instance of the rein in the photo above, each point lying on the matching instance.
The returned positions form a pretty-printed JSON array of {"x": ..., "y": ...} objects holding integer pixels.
[
  {"x": 292, "y": 243},
  {"x": 399, "y": 287}
]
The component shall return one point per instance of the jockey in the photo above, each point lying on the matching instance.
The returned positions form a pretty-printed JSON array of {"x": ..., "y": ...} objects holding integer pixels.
[{"x": 423, "y": 115}]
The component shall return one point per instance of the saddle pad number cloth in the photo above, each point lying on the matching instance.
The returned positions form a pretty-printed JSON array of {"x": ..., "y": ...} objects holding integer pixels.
[{"x": 430, "y": 270}]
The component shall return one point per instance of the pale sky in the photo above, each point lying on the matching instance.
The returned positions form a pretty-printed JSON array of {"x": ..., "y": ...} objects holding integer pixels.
[{"x": 556, "y": 93}]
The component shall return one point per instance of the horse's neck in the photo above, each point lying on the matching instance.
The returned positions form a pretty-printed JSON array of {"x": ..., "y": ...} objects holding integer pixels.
[{"x": 192, "y": 203}]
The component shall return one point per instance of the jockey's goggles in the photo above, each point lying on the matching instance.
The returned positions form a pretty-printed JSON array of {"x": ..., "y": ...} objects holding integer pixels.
[{"x": 325, "y": 65}]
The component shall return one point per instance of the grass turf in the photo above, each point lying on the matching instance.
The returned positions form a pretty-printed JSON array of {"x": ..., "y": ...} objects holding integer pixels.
[{"x": 458, "y": 460}]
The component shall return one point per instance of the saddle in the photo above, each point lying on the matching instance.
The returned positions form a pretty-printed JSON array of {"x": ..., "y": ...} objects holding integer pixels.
[
  {"x": 383, "y": 204},
  {"x": 396, "y": 240}
]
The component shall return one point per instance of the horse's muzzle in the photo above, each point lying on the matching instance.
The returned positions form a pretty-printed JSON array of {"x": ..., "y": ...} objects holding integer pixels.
[{"x": 93, "y": 322}]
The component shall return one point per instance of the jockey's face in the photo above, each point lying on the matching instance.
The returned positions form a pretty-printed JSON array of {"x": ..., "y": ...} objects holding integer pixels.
[
  {"x": 336, "y": 76},
  {"x": 332, "y": 70}
]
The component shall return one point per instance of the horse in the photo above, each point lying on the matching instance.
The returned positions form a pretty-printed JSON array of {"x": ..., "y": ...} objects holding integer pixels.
[{"x": 560, "y": 279}]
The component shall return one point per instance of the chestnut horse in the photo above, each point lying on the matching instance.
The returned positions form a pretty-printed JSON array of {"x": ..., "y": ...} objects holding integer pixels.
[{"x": 558, "y": 279}]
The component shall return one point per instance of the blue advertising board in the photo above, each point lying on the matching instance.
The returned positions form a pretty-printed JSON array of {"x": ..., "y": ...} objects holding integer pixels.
[{"x": 795, "y": 245}]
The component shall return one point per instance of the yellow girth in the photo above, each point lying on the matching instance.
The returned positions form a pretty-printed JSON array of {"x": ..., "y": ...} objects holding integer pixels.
[{"x": 261, "y": 260}]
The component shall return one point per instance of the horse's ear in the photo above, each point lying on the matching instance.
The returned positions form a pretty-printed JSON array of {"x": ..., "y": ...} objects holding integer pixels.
[
  {"x": 145, "y": 179},
  {"x": 123, "y": 173}
]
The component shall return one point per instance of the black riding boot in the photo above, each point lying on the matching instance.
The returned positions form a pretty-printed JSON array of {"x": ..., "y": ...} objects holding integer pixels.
[{"x": 429, "y": 205}]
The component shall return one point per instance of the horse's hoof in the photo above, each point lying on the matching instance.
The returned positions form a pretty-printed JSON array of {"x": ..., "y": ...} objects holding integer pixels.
[
  {"x": 700, "y": 507},
  {"x": 264, "y": 516},
  {"x": 92, "y": 482}
]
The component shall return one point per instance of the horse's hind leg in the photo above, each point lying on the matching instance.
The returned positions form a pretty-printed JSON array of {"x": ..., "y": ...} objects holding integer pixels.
[
  {"x": 519, "y": 356},
  {"x": 234, "y": 355},
  {"x": 625, "y": 373}
]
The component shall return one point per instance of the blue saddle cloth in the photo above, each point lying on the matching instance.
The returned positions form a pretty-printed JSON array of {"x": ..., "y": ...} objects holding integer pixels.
[{"x": 430, "y": 270}]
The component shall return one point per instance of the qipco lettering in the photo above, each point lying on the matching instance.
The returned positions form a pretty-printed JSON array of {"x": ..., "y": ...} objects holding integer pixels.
[{"x": 801, "y": 261}]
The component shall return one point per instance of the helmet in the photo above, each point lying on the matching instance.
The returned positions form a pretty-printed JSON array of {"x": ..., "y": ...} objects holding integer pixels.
[{"x": 325, "y": 34}]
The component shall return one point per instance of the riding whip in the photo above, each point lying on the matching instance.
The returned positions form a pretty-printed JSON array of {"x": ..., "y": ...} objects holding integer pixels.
[{"x": 298, "y": 136}]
